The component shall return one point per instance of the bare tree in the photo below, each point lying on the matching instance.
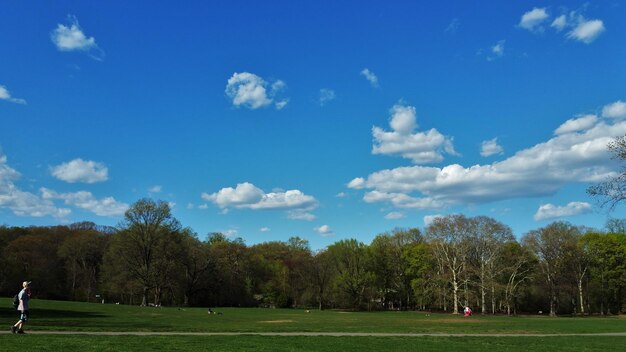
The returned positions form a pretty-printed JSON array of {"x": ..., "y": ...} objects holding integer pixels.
[{"x": 613, "y": 190}]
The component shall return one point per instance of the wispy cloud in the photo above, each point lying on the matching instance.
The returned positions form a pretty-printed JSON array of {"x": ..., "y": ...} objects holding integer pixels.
[
  {"x": 370, "y": 76},
  {"x": 491, "y": 147},
  {"x": 534, "y": 19},
  {"x": 551, "y": 211},
  {"x": 326, "y": 96},
  {"x": 6, "y": 96},
  {"x": 73, "y": 38}
]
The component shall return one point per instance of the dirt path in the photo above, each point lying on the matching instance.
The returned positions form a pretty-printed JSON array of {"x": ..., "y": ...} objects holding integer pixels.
[{"x": 336, "y": 334}]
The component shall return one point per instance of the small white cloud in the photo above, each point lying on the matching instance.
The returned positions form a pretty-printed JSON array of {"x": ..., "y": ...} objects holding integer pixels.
[
  {"x": 559, "y": 23},
  {"x": 491, "y": 147},
  {"x": 249, "y": 90},
  {"x": 428, "y": 219},
  {"x": 203, "y": 206},
  {"x": 533, "y": 19},
  {"x": 79, "y": 170},
  {"x": 577, "y": 124},
  {"x": 616, "y": 110},
  {"x": 394, "y": 215},
  {"x": 550, "y": 211},
  {"x": 324, "y": 230},
  {"x": 498, "y": 49},
  {"x": 420, "y": 147},
  {"x": 326, "y": 96},
  {"x": 299, "y": 214},
  {"x": 370, "y": 76},
  {"x": 453, "y": 26},
  {"x": 248, "y": 196},
  {"x": 264, "y": 229},
  {"x": 281, "y": 104},
  {"x": 85, "y": 200},
  {"x": 341, "y": 195},
  {"x": 190, "y": 206},
  {"x": 357, "y": 183},
  {"x": 231, "y": 233},
  {"x": 155, "y": 189},
  {"x": 171, "y": 204},
  {"x": 72, "y": 38},
  {"x": 6, "y": 95},
  {"x": 587, "y": 31}
]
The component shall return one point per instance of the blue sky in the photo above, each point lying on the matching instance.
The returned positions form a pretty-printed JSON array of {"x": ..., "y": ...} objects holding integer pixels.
[{"x": 325, "y": 120}]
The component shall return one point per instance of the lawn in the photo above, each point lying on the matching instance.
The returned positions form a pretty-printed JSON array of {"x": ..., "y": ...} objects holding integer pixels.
[{"x": 76, "y": 316}]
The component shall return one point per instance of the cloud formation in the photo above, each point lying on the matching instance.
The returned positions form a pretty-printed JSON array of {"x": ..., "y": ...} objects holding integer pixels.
[
  {"x": 491, "y": 147},
  {"x": 251, "y": 91},
  {"x": 578, "y": 153},
  {"x": 420, "y": 147},
  {"x": 72, "y": 38},
  {"x": 533, "y": 19},
  {"x": 79, "y": 170},
  {"x": 394, "y": 215},
  {"x": 6, "y": 95},
  {"x": 616, "y": 110},
  {"x": 326, "y": 96},
  {"x": 551, "y": 211},
  {"x": 248, "y": 196},
  {"x": 324, "y": 230},
  {"x": 107, "y": 206},
  {"x": 370, "y": 76},
  {"x": 23, "y": 203}
]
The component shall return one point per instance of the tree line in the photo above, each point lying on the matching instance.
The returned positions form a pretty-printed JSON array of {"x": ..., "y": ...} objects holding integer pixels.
[{"x": 456, "y": 261}]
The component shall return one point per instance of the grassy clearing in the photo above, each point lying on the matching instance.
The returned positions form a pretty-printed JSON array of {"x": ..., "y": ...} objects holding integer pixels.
[
  {"x": 76, "y": 316},
  {"x": 258, "y": 343}
]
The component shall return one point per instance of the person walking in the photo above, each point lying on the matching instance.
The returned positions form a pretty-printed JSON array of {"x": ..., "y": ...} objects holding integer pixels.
[{"x": 24, "y": 297}]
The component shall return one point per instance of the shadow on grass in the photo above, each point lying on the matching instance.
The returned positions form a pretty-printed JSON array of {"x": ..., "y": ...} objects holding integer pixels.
[{"x": 42, "y": 313}]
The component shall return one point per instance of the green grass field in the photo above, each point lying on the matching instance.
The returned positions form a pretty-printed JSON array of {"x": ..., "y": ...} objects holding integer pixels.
[{"x": 75, "y": 316}]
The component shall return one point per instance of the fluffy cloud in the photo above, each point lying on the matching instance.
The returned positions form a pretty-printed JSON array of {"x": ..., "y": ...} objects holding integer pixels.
[
  {"x": 72, "y": 38},
  {"x": 420, "y": 147},
  {"x": 428, "y": 219},
  {"x": 587, "y": 31},
  {"x": 85, "y": 200},
  {"x": 155, "y": 189},
  {"x": 616, "y": 110},
  {"x": 491, "y": 147},
  {"x": 559, "y": 23},
  {"x": 79, "y": 170},
  {"x": 324, "y": 230},
  {"x": 577, "y": 124},
  {"x": 23, "y": 203},
  {"x": 533, "y": 19},
  {"x": 326, "y": 96},
  {"x": 550, "y": 211},
  {"x": 370, "y": 76},
  {"x": 578, "y": 154},
  {"x": 5, "y": 95},
  {"x": 248, "y": 196},
  {"x": 251, "y": 91}
]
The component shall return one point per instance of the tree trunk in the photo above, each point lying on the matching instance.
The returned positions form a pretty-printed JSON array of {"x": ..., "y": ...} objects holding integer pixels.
[{"x": 580, "y": 296}]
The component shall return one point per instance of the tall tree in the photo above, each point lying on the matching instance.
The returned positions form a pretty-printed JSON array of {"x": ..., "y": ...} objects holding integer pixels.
[
  {"x": 449, "y": 237},
  {"x": 351, "y": 263},
  {"x": 140, "y": 243}
]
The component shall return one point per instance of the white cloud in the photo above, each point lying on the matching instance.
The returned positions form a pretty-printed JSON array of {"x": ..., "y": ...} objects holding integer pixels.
[
  {"x": 248, "y": 196},
  {"x": 559, "y": 23},
  {"x": 23, "y": 203},
  {"x": 550, "y": 211},
  {"x": 190, "y": 206},
  {"x": 251, "y": 91},
  {"x": 6, "y": 95},
  {"x": 577, "y": 124},
  {"x": 420, "y": 147},
  {"x": 428, "y": 219},
  {"x": 575, "y": 155},
  {"x": 107, "y": 206},
  {"x": 155, "y": 189},
  {"x": 79, "y": 170},
  {"x": 264, "y": 229},
  {"x": 203, "y": 206},
  {"x": 370, "y": 76},
  {"x": 394, "y": 215},
  {"x": 533, "y": 19},
  {"x": 586, "y": 31},
  {"x": 231, "y": 233},
  {"x": 497, "y": 50},
  {"x": 326, "y": 96},
  {"x": 324, "y": 230},
  {"x": 72, "y": 38},
  {"x": 491, "y": 147},
  {"x": 299, "y": 214},
  {"x": 341, "y": 195},
  {"x": 453, "y": 26},
  {"x": 616, "y": 110}
]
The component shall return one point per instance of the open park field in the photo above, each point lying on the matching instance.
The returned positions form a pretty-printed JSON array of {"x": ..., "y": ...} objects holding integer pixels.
[{"x": 57, "y": 325}]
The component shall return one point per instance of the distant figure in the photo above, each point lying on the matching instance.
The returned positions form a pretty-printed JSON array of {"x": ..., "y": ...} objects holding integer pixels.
[
  {"x": 467, "y": 312},
  {"x": 24, "y": 297},
  {"x": 211, "y": 311}
]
